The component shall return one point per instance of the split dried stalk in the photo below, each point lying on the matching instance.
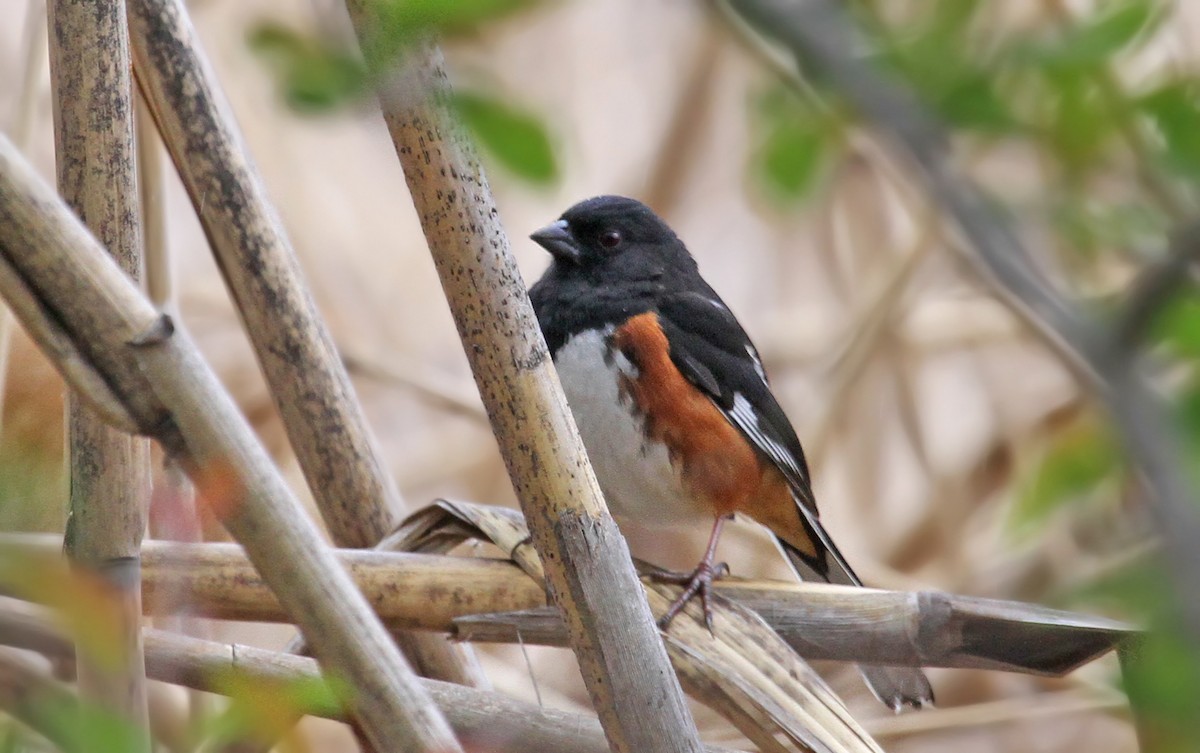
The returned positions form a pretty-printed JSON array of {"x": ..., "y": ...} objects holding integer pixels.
[
  {"x": 590, "y": 573},
  {"x": 109, "y": 471},
  {"x": 155, "y": 370}
]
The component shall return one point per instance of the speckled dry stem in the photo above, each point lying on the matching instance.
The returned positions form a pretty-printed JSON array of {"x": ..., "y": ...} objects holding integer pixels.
[
  {"x": 173, "y": 395},
  {"x": 308, "y": 383},
  {"x": 348, "y": 479},
  {"x": 589, "y": 571},
  {"x": 97, "y": 177}
]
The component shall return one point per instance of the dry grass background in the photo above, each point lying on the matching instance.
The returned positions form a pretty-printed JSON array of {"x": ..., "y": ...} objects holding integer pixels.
[{"x": 919, "y": 398}]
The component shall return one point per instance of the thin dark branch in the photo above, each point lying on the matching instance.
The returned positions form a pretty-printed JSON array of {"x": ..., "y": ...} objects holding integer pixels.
[
  {"x": 822, "y": 39},
  {"x": 1158, "y": 283}
]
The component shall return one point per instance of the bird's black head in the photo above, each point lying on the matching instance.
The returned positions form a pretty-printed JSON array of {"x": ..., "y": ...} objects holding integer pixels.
[{"x": 612, "y": 237}]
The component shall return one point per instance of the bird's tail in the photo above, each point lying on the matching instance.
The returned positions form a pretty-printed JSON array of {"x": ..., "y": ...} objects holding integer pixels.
[{"x": 896, "y": 687}]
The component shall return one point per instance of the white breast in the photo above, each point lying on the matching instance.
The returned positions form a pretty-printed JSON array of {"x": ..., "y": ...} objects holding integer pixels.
[{"x": 635, "y": 474}]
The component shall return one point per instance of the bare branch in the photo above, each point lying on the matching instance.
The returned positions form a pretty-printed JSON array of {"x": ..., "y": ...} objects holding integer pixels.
[
  {"x": 821, "y": 38},
  {"x": 1156, "y": 284}
]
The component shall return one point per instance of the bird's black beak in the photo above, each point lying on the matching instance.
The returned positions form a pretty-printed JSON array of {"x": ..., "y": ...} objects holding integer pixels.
[{"x": 557, "y": 239}]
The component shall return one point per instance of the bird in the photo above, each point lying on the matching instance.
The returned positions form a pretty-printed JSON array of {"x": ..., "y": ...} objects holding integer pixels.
[{"x": 673, "y": 404}]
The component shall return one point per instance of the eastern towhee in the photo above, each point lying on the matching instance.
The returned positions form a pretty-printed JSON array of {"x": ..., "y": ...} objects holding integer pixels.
[{"x": 672, "y": 401}]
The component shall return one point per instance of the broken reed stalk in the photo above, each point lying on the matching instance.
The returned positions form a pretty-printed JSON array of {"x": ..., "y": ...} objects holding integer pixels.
[
  {"x": 484, "y": 720},
  {"x": 349, "y": 481},
  {"x": 494, "y": 601},
  {"x": 109, "y": 469},
  {"x": 588, "y": 566},
  {"x": 142, "y": 369}
]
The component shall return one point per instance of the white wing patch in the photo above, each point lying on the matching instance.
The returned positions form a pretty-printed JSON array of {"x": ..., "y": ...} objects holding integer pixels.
[
  {"x": 758, "y": 366},
  {"x": 746, "y": 418}
]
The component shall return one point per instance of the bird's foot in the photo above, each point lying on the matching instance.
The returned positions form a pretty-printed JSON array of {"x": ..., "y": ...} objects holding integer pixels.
[{"x": 698, "y": 582}]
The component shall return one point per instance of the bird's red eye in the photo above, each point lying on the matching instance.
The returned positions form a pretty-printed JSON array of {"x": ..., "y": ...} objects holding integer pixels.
[{"x": 610, "y": 239}]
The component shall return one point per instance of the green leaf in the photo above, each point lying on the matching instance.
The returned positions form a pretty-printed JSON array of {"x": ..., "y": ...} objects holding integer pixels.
[
  {"x": 514, "y": 138},
  {"x": 265, "y": 710},
  {"x": 1080, "y": 124},
  {"x": 1096, "y": 39},
  {"x": 314, "y": 76},
  {"x": 86, "y": 728},
  {"x": 1080, "y": 459},
  {"x": 1174, "y": 110},
  {"x": 972, "y": 102},
  {"x": 1178, "y": 325},
  {"x": 1163, "y": 682},
  {"x": 411, "y": 17},
  {"x": 1090, "y": 225},
  {"x": 794, "y": 144},
  {"x": 792, "y": 158}
]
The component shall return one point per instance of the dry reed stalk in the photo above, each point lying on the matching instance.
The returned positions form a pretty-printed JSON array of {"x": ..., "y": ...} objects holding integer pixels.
[
  {"x": 357, "y": 497},
  {"x": 109, "y": 471},
  {"x": 308, "y": 383},
  {"x": 71, "y": 295},
  {"x": 487, "y": 721},
  {"x": 741, "y": 669},
  {"x": 492, "y": 601},
  {"x": 590, "y": 574}
]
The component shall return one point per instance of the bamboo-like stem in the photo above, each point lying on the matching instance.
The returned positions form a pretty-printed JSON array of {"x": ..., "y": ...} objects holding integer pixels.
[
  {"x": 163, "y": 383},
  {"x": 357, "y": 497},
  {"x": 588, "y": 566},
  {"x": 310, "y": 387},
  {"x": 97, "y": 177},
  {"x": 484, "y": 720},
  {"x": 462, "y": 595}
]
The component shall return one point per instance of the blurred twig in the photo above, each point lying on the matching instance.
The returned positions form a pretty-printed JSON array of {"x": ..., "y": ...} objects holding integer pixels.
[
  {"x": 1059, "y": 704},
  {"x": 1157, "y": 283},
  {"x": 30, "y": 694},
  {"x": 822, "y": 39},
  {"x": 486, "y": 721}
]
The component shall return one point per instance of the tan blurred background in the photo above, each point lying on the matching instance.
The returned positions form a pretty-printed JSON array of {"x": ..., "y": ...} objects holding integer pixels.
[{"x": 919, "y": 398}]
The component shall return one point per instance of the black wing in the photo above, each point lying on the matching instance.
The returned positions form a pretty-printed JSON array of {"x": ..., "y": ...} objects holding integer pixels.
[{"x": 714, "y": 353}]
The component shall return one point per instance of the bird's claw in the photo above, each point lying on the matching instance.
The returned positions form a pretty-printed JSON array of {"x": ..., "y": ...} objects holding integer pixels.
[{"x": 698, "y": 582}]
